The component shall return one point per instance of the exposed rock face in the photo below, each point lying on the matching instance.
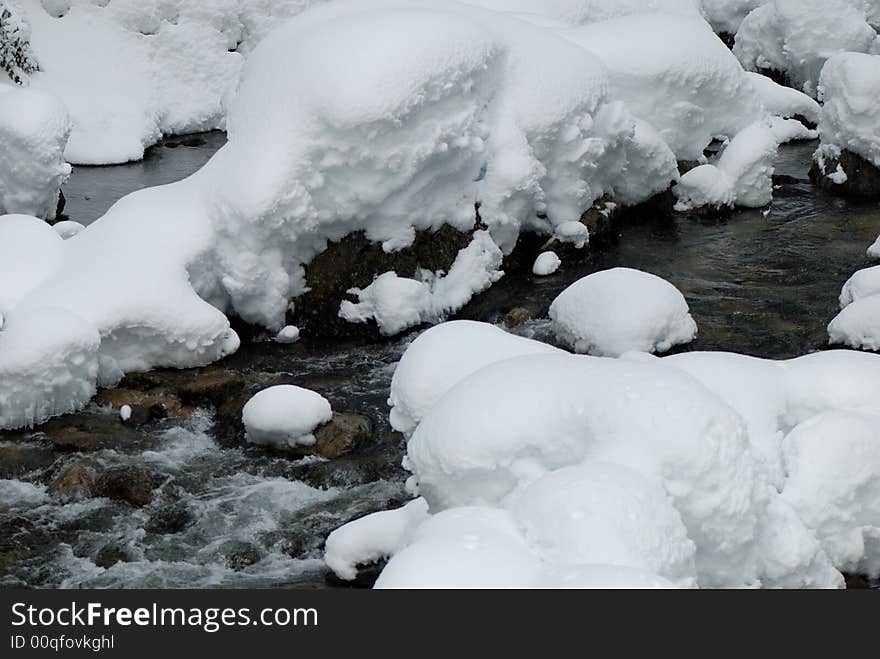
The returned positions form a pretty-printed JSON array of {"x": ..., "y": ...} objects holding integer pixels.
[
  {"x": 862, "y": 177},
  {"x": 76, "y": 481},
  {"x": 354, "y": 262},
  {"x": 129, "y": 484},
  {"x": 341, "y": 436},
  {"x": 93, "y": 432}
]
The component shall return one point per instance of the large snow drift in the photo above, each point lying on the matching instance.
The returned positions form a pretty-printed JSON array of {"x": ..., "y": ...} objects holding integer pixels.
[{"x": 699, "y": 469}]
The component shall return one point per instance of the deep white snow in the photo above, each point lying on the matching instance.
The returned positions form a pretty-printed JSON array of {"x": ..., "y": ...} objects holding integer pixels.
[{"x": 285, "y": 416}]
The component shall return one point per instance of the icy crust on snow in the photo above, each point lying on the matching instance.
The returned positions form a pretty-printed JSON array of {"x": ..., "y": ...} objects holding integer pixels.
[
  {"x": 743, "y": 175},
  {"x": 398, "y": 303},
  {"x": 850, "y": 87},
  {"x": 681, "y": 79},
  {"x": 128, "y": 74},
  {"x": 796, "y": 37},
  {"x": 285, "y": 416},
  {"x": 615, "y": 311},
  {"x": 707, "y": 469},
  {"x": 34, "y": 127}
]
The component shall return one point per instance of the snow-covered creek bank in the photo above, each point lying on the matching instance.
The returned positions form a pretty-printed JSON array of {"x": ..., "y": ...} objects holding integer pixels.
[{"x": 225, "y": 514}]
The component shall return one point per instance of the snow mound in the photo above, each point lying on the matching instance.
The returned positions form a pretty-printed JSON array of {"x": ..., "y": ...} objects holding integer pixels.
[
  {"x": 285, "y": 416},
  {"x": 579, "y": 12},
  {"x": 398, "y": 303},
  {"x": 688, "y": 105},
  {"x": 442, "y": 357},
  {"x": 615, "y": 311},
  {"x": 743, "y": 175},
  {"x": 728, "y": 15},
  {"x": 67, "y": 228},
  {"x": 833, "y": 463},
  {"x": 34, "y": 127},
  {"x": 540, "y": 470},
  {"x": 874, "y": 249},
  {"x": 30, "y": 251},
  {"x": 546, "y": 264},
  {"x": 862, "y": 284},
  {"x": 850, "y": 87},
  {"x": 858, "y": 325},
  {"x": 796, "y": 37}
]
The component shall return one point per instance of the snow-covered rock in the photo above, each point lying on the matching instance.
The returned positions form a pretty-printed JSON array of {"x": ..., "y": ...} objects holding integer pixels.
[
  {"x": 796, "y": 37},
  {"x": 784, "y": 101},
  {"x": 849, "y": 154},
  {"x": 728, "y": 15},
  {"x": 743, "y": 175},
  {"x": 874, "y": 249},
  {"x": 442, "y": 357},
  {"x": 546, "y": 264},
  {"x": 833, "y": 465},
  {"x": 34, "y": 127},
  {"x": 862, "y": 284},
  {"x": 68, "y": 228},
  {"x": 285, "y": 416},
  {"x": 858, "y": 325},
  {"x": 288, "y": 334},
  {"x": 615, "y": 311}
]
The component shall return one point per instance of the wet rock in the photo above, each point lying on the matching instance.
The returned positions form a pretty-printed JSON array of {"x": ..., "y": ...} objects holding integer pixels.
[
  {"x": 352, "y": 471},
  {"x": 111, "y": 554},
  {"x": 517, "y": 317},
  {"x": 76, "y": 481},
  {"x": 94, "y": 432},
  {"x": 238, "y": 554},
  {"x": 341, "y": 436},
  {"x": 367, "y": 575},
  {"x": 145, "y": 406},
  {"x": 16, "y": 460},
  {"x": 169, "y": 518},
  {"x": 212, "y": 387},
  {"x": 862, "y": 177},
  {"x": 354, "y": 262},
  {"x": 132, "y": 485}
]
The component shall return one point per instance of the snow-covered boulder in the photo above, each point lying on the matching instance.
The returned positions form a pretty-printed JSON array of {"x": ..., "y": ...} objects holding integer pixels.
[
  {"x": 34, "y": 127},
  {"x": 794, "y": 38},
  {"x": 285, "y": 417},
  {"x": 862, "y": 284},
  {"x": 874, "y": 250},
  {"x": 848, "y": 159},
  {"x": 546, "y": 264},
  {"x": 858, "y": 325},
  {"x": 784, "y": 101},
  {"x": 833, "y": 465},
  {"x": 615, "y": 311},
  {"x": 726, "y": 16},
  {"x": 743, "y": 175}
]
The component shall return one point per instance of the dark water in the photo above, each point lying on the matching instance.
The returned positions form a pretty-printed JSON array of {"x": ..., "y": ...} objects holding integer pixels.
[
  {"x": 92, "y": 190},
  {"x": 761, "y": 285}
]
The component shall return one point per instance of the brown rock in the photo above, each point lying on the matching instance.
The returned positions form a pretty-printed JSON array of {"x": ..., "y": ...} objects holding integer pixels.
[
  {"x": 151, "y": 402},
  {"x": 129, "y": 484},
  {"x": 76, "y": 481},
  {"x": 862, "y": 177},
  {"x": 93, "y": 432},
  {"x": 20, "y": 459},
  {"x": 341, "y": 436},
  {"x": 212, "y": 387},
  {"x": 516, "y": 317}
]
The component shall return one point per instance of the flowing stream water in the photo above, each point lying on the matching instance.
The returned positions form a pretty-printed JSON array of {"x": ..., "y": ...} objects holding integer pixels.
[{"x": 760, "y": 283}]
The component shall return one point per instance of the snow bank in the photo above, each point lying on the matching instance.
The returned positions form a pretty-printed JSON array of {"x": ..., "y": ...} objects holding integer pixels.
[
  {"x": 398, "y": 303},
  {"x": 833, "y": 464},
  {"x": 162, "y": 77},
  {"x": 429, "y": 368},
  {"x": 688, "y": 105},
  {"x": 743, "y": 175},
  {"x": 34, "y": 128},
  {"x": 546, "y": 264},
  {"x": 579, "y": 12},
  {"x": 285, "y": 416},
  {"x": 796, "y": 37},
  {"x": 850, "y": 87},
  {"x": 614, "y": 311}
]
